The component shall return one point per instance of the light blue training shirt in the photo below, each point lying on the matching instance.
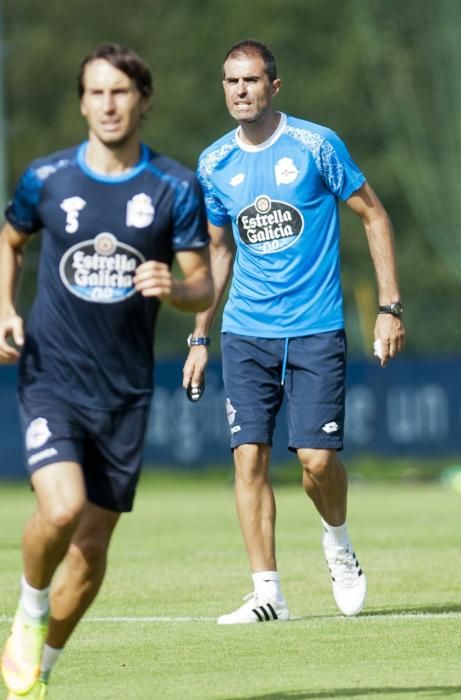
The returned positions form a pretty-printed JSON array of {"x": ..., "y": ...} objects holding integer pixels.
[{"x": 281, "y": 197}]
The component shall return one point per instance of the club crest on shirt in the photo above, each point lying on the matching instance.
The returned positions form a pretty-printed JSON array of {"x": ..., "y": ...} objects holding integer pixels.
[
  {"x": 100, "y": 270},
  {"x": 140, "y": 211},
  {"x": 268, "y": 225},
  {"x": 286, "y": 171}
]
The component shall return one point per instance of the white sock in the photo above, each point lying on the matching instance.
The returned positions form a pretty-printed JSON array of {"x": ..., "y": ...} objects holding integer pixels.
[
  {"x": 33, "y": 600},
  {"x": 49, "y": 658},
  {"x": 267, "y": 585},
  {"x": 335, "y": 536}
]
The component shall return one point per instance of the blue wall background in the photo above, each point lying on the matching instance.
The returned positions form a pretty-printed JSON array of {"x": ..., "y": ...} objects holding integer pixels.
[{"x": 410, "y": 408}]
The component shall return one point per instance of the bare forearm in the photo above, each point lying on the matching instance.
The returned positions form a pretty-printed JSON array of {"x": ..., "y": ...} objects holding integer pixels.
[
  {"x": 11, "y": 325},
  {"x": 381, "y": 243},
  {"x": 221, "y": 266},
  {"x": 365, "y": 203},
  {"x": 10, "y": 266},
  {"x": 389, "y": 329},
  {"x": 192, "y": 294}
]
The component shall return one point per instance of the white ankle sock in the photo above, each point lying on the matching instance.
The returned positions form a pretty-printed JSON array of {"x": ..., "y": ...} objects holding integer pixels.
[
  {"x": 267, "y": 585},
  {"x": 33, "y": 600},
  {"x": 335, "y": 536},
  {"x": 49, "y": 658}
]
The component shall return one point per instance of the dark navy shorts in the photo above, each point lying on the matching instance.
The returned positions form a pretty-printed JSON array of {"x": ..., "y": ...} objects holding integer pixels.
[
  {"x": 107, "y": 444},
  {"x": 313, "y": 369}
]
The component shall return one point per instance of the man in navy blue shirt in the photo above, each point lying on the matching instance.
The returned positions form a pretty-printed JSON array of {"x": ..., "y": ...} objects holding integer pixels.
[{"x": 113, "y": 215}]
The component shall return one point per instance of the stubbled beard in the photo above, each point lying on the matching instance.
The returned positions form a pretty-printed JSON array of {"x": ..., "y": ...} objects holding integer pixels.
[{"x": 243, "y": 118}]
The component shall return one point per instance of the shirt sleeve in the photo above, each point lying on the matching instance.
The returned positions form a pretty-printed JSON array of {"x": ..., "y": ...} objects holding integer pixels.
[
  {"x": 339, "y": 171},
  {"x": 189, "y": 217},
  {"x": 215, "y": 210},
  {"x": 22, "y": 212}
]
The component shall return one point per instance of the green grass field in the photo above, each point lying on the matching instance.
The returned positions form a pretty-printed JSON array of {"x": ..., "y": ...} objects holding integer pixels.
[{"x": 178, "y": 562}]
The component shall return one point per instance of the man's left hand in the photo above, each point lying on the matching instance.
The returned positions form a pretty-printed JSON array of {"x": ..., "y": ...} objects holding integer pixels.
[
  {"x": 154, "y": 279},
  {"x": 389, "y": 337}
]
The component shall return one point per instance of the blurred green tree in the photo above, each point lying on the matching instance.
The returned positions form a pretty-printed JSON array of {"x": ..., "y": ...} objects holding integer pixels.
[
  {"x": 344, "y": 63},
  {"x": 412, "y": 57}
]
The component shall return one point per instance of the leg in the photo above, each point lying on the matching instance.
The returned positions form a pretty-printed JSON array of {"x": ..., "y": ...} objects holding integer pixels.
[
  {"x": 256, "y": 504},
  {"x": 60, "y": 494},
  {"x": 82, "y": 572},
  {"x": 252, "y": 374},
  {"x": 325, "y": 482},
  {"x": 112, "y": 462},
  {"x": 256, "y": 511}
]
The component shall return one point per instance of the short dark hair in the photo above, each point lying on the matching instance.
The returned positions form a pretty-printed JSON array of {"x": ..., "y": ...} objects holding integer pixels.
[
  {"x": 125, "y": 60},
  {"x": 250, "y": 47}
]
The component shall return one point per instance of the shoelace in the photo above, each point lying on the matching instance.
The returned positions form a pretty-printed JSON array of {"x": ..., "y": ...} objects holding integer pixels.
[
  {"x": 250, "y": 596},
  {"x": 252, "y": 600},
  {"x": 343, "y": 566}
]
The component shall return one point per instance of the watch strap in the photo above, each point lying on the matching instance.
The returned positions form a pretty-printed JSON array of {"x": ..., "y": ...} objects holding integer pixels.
[
  {"x": 395, "y": 309},
  {"x": 198, "y": 340}
]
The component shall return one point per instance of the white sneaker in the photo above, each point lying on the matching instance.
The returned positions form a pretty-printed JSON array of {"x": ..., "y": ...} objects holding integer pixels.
[
  {"x": 256, "y": 609},
  {"x": 349, "y": 581}
]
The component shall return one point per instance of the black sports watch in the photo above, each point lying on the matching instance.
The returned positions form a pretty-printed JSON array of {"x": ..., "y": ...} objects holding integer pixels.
[
  {"x": 198, "y": 340},
  {"x": 396, "y": 309}
]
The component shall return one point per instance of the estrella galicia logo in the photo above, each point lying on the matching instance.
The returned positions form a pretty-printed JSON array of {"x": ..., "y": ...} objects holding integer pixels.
[
  {"x": 268, "y": 225},
  {"x": 100, "y": 270}
]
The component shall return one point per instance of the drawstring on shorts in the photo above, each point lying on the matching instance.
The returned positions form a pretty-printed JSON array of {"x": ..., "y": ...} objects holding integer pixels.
[{"x": 284, "y": 366}]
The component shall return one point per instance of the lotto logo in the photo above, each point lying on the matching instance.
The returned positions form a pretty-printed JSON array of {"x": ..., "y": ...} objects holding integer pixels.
[{"x": 331, "y": 427}]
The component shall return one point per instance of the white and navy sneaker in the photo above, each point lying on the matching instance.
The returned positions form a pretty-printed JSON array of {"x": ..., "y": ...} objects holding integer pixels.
[
  {"x": 349, "y": 581},
  {"x": 256, "y": 609}
]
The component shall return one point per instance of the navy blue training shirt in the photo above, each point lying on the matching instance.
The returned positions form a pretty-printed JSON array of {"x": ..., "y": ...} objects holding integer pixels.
[{"x": 89, "y": 336}]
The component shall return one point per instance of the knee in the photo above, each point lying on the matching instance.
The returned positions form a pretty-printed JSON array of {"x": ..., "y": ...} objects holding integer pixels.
[
  {"x": 251, "y": 464},
  {"x": 88, "y": 554},
  {"x": 61, "y": 516},
  {"x": 318, "y": 464}
]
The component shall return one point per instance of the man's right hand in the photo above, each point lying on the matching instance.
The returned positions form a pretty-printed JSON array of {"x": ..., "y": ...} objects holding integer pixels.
[
  {"x": 194, "y": 367},
  {"x": 11, "y": 327}
]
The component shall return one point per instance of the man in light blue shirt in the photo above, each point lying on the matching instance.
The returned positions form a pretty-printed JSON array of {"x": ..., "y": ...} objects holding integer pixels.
[{"x": 277, "y": 181}]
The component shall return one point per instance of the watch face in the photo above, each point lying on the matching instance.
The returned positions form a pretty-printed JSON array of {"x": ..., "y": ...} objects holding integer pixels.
[{"x": 396, "y": 308}]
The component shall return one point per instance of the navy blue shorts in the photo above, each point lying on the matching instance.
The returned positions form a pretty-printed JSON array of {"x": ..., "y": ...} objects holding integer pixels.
[
  {"x": 314, "y": 387},
  {"x": 107, "y": 444}
]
